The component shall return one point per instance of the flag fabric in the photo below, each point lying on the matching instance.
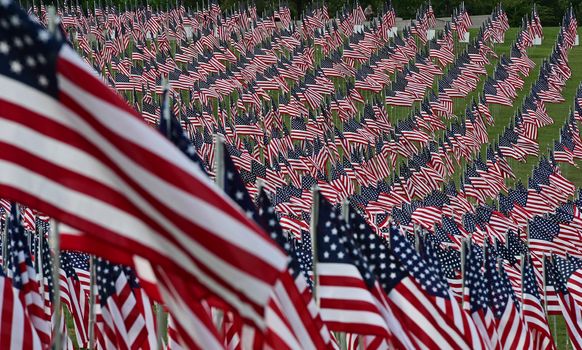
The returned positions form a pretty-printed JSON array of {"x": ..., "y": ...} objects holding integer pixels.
[
  {"x": 456, "y": 325},
  {"x": 476, "y": 297},
  {"x": 345, "y": 286},
  {"x": 294, "y": 295},
  {"x": 405, "y": 299},
  {"x": 289, "y": 310},
  {"x": 78, "y": 298},
  {"x": 120, "y": 324},
  {"x": 513, "y": 331},
  {"x": 68, "y": 96},
  {"x": 533, "y": 312},
  {"x": 45, "y": 260},
  {"x": 16, "y": 329},
  {"x": 24, "y": 279},
  {"x": 560, "y": 271}
]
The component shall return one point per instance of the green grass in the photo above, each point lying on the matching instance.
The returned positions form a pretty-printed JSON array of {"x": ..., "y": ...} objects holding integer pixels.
[{"x": 558, "y": 329}]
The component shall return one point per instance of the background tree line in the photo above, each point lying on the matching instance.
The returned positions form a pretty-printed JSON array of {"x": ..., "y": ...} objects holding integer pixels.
[{"x": 551, "y": 11}]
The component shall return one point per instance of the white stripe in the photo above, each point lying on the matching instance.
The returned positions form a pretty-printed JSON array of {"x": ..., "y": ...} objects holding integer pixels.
[
  {"x": 114, "y": 320},
  {"x": 247, "y": 337},
  {"x": 459, "y": 316},
  {"x": 221, "y": 226},
  {"x": 278, "y": 327},
  {"x": 338, "y": 269},
  {"x": 394, "y": 324},
  {"x": 149, "y": 319},
  {"x": 482, "y": 329},
  {"x": 420, "y": 344},
  {"x": 77, "y": 311},
  {"x": 352, "y": 316},
  {"x": 4, "y": 325},
  {"x": 506, "y": 322}
]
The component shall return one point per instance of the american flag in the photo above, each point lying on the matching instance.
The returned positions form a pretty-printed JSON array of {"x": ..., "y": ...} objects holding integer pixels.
[
  {"x": 402, "y": 303},
  {"x": 301, "y": 309},
  {"x": 16, "y": 328},
  {"x": 57, "y": 318},
  {"x": 476, "y": 297},
  {"x": 288, "y": 306},
  {"x": 513, "y": 331},
  {"x": 25, "y": 280},
  {"x": 126, "y": 177},
  {"x": 545, "y": 237},
  {"x": 263, "y": 147},
  {"x": 457, "y": 328},
  {"x": 493, "y": 95},
  {"x": 71, "y": 279},
  {"x": 346, "y": 288},
  {"x": 119, "y": 322},
  {"x": 560, "y": 271},
  {"x": 533, "y": 312},
  {"x": 171, "y": 128}
]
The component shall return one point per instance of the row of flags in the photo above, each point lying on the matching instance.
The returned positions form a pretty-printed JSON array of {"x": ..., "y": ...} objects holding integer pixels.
[
  {"x": 396, "y": 268},
  {"x": 123, "y": 311}
]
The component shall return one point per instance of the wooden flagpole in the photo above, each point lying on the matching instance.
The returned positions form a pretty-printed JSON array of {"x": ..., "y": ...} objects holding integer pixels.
[
  {"x": 5, "y": 240},
  {"x": 219, "y": 176},
  {"x": 54, "y": 237},
  {"x": 39, "y": 263},
  {"x": 464, "y": 247},
  {"x": 56, "y": 247},
  {"x": 346, "y": 215},
  {"x": 313, "y": 229},
  {"x": 92, "y": 302}
]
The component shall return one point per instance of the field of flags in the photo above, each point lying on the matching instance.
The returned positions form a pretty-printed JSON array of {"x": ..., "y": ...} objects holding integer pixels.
[{"x": 219, "y": 179}]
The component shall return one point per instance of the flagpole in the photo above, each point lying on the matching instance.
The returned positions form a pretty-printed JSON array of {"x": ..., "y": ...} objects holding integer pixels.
[
  {"x": 416, "y": 232},
  {"x": 346, "y": 210},
  {"x": 346, "y": 215},
  {"x": 91, "y": 302},
  {"x": 39, "y": 265},
  {"x": 523, "y": 257},
  {"x": 545, "y": 294},
  {"x": 219, "y": 160},
  {"x": 160, "y": 329},
  {"x": 5, "y": 240},
  {"x": 219, "y": 178},
  {"x": 55, "y": 241},
  {"x": 463, "y": 258},
  {"x": 313, "y": 229},
  {"x": 159, "y": 325}
]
